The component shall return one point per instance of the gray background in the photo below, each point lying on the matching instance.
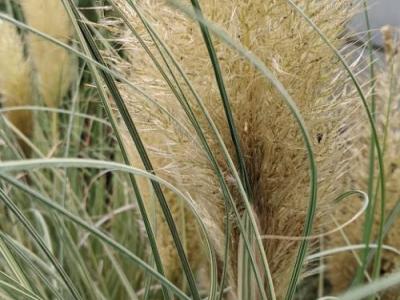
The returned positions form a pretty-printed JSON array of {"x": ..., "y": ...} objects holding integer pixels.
[{"x": 381, "y": 12}]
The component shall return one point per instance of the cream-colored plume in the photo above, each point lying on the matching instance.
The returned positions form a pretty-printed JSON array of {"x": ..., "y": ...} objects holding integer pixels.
[
  {"x": 273, "y": 148},
  {"x": 342, "y": 267},
  {"x": 15, "y": 78},
  {"x": 53, "y": 65}
]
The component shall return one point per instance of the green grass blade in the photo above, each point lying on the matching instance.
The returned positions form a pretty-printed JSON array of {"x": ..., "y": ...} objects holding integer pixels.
[
  {"x": 391, "y": 281},
  {"x": 392, "y": 217},
  {"x": 368, "y": 223}
]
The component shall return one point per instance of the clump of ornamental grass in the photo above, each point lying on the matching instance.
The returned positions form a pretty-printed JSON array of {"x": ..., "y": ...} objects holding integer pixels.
[
  {"x": 15, "y": 79},
  {"x": 54, "y": 66},
  {"x": 342, "y": 267},
  {"x": 273, "y": 149}
]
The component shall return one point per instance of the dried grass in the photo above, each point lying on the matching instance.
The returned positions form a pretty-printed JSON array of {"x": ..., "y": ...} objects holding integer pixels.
[
  {"x": 273, "y": 148},
  {"x": 15, "y": 78}
]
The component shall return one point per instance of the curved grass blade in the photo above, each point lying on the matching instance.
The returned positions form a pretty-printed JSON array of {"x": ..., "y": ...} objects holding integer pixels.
[
  {"x": 368, "y": 223},
  {"x": 392, "y": 217},
  {"x": 350, "y": 248},
  {"x": 391, "y": 281},
  {"x": 373, "y": 132}
]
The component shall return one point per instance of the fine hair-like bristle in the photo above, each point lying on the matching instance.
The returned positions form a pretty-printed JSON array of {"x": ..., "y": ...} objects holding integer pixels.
[
  {"x": 342, "y": 267},
  {"x": 273, "y": 148},
  {"x": 53, "y": 65},
  {"x": 15, "y": 79}
]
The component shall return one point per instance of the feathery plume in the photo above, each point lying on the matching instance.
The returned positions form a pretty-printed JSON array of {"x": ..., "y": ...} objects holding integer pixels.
[
  {"x": 15, "y": 79},
  {"x": 273, "y": 148},
  {"x": 342, "y": 267},
  {"x": 53, "y": 65}
]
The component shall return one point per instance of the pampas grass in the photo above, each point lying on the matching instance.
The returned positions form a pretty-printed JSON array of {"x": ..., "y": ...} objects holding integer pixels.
[
  {"x": 15, "y": 79},
  {"x": 342, "y": 267},
  {"x": 274, "y": 154},
  {"x": 53, "y": 65}
]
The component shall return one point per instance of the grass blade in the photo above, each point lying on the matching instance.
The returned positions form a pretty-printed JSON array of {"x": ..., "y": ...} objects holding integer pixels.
[{"x": 391, "y": 281}]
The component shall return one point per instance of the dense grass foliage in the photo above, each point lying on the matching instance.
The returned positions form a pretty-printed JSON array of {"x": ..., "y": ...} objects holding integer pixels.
[{"x": 197, "y": 150}]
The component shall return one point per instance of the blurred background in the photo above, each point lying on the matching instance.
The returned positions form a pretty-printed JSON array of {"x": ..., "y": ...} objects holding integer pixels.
[{"x": 381, "y": 13}]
